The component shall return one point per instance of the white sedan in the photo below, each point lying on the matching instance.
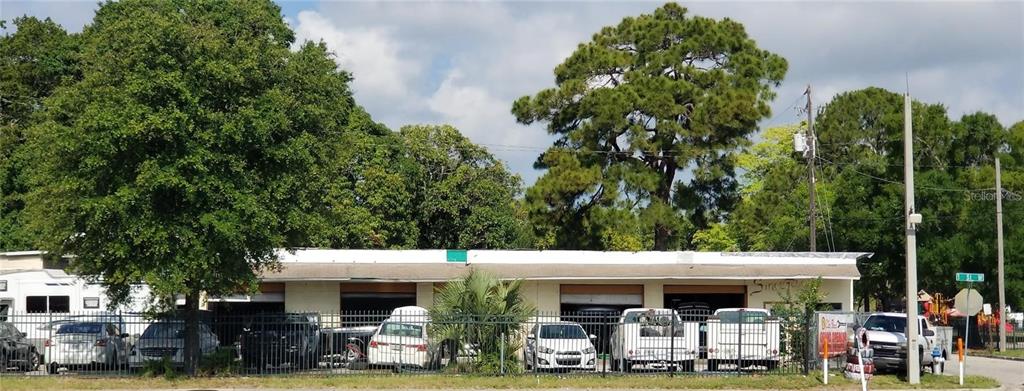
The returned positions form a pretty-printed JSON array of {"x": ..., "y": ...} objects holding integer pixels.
[
  {"x": 87, "y": 344},
  {"x": 560, "y": 346}
]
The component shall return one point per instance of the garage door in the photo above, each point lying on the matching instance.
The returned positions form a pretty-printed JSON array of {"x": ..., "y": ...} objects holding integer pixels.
[
  {"x": 376, "y": 298},
  {"x": 597, "y": 295},
  {"x": 598, "y": 307},
  {"x": 710, "y": 296}
]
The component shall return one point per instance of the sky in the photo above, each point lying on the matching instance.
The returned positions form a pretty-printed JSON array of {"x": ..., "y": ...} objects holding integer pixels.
[{"x": 464, "y": 63}]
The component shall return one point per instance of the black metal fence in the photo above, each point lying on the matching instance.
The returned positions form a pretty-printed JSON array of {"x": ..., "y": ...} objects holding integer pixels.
[{"x": 643, "y": 341}]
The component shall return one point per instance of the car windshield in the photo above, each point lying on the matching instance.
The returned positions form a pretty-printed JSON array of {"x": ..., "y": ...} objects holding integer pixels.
[
  {"x": 401, "y": 330},
  {"x": 748, "y": 316},
  {"x": 562, "y": 331},
  {"x": 81, "y": 328},
  {"x": 164, "y": 331},
  {"x": 650, "y": 317},
  {"x": 886, "y": 323}
]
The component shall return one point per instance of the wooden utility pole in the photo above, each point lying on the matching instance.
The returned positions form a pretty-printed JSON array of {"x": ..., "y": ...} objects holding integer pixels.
[
  {"x": 812, "y": 146},
  {"x": 999, "y": 255}
]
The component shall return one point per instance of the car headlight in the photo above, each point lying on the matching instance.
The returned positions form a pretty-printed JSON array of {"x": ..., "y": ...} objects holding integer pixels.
[
  {"x": 545, "y": 350},
  {"x": 589, "y": 350}
]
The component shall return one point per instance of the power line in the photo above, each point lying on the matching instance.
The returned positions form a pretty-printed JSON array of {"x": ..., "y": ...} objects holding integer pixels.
[{"x": 901, "y": 183}]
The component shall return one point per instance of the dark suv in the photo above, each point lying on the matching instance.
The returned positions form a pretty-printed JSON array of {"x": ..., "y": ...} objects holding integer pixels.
[
  {"x": 16, "y": 350},
  {"x": 278, "y": 339}
]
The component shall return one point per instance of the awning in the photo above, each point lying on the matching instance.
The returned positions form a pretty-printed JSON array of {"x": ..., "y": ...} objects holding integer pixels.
[{"x": 429, "y": 272}]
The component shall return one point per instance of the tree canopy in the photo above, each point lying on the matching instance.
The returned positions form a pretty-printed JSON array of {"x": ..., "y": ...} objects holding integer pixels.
[
  {"x": 860, "y": 190},
  {"x": 33, "y": 62},
  {"x": 639, "y": 103}
]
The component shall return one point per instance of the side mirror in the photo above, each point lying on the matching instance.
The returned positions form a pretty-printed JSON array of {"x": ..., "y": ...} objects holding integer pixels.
[
  {"x": 592, "y": 337},
  {"x": 530, "y": 336},
  {"x": 23, "y": 334},
  {"x": 124, "y": 335},
  {"x": 929, "y": 333}
]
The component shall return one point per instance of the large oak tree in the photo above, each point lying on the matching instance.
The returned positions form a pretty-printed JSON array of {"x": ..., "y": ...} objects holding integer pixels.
[{"x": 186, "y": 153}]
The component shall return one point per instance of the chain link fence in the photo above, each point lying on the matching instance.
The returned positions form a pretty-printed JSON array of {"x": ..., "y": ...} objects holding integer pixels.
[{"x": 634, "y": 342}]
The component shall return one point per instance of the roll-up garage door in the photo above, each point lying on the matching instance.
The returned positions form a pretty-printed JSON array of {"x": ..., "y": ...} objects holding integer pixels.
[
  {"x": 611, "y": 295},
  {"x": 709, "y": 297},
  {"x": 376, "y": 298}
]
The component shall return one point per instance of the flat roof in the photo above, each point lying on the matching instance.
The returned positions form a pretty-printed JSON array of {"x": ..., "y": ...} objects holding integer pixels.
[{"x": 438, "y": 265}]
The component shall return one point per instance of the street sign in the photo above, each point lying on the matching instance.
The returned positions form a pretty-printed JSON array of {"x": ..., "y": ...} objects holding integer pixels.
[{"x": 970, "y": 277}]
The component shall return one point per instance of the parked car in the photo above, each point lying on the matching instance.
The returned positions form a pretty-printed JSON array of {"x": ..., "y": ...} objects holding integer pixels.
[
  {"x": 887, "y": 335},
  {"x": 278, "y": 339},
  {"x": 743, "y": 337},
  {"x": 402, "y": 339},
  {"x": 655, "y": 338},
  {"x": 87, "y": 344},
  {"x": 167, "y": 339},
  {"x": 16, "y": 350},
  {"x": 560, "y": 346},
  {"x": 39, "y": 333},
  {"x": 346, "y": 346}
]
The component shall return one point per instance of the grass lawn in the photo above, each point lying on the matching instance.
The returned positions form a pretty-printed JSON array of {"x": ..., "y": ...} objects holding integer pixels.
[
  {"x": 788, "y": 382},
  {"x": 1016, "y": 353}
]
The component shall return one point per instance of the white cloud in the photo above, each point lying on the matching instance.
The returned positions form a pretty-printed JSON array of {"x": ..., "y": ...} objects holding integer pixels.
[{"x": 373, "y": 55}]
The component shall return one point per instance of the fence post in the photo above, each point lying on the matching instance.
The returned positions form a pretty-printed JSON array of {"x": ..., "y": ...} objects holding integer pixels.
[
  {"x": 502, "y": 354},
  {"x": 739, "y": 343},
  {"x": 672, "y": 344},
  {"x": 808, "y": 333}
]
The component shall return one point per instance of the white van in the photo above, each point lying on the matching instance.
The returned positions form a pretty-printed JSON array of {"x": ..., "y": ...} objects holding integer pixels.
[
  {"x": 402, "y": 339},
  {"x": 743, "y": 337},
  {"x": 655, "y": 338}
]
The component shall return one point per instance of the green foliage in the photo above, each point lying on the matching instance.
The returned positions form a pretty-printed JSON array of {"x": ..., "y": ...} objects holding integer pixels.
[
  {"x": 223, "y": 361},
  {"x": 772, "y": 213},
  {"x": 34, "y": 61},
  {"x": 464, "y": 196},
  {"x": 484, "y": 313},
  {"x": 860, "y": 194},
  {"x": 641, "y": 101},
  {"x": 715, "y": 238},
  {"x": 795, "y": 312},
  {"x": 162, "y": 367},
  {"x": 188, "y": 150}
]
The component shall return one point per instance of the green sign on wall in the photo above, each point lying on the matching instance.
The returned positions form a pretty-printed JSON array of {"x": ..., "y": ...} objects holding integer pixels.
[{"x": 457, "y": 256}]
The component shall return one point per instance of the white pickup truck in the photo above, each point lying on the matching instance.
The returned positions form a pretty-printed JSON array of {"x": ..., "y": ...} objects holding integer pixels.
[
  {"x": 654, "y": 338},
  {"x": 743, "y": 337},
  {"x": 887, "y": 335}
]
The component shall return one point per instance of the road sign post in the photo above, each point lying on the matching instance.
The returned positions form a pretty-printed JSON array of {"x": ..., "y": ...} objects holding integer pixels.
[{"x": 970, "y": 279}]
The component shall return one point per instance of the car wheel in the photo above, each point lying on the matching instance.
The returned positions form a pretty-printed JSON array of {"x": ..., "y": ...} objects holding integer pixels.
[
  {"x": 52, "y": 368},
  {"x": 686, "y": 366},
  {"x": 32, "y": 362},
  {"x": 615, "y": 365}
]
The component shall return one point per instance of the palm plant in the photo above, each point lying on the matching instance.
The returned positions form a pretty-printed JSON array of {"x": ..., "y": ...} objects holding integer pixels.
[{"x": 482, "y": 313}]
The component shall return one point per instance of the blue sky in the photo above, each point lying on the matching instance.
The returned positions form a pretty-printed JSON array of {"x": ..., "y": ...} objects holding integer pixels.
[{"x": 464, "y": 63}]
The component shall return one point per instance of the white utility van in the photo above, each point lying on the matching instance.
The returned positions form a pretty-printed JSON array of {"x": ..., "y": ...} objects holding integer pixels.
[
  {"x": 402, "y": 339},
  {"x": 743, "y": 337},
  {"x": 654, "y": 338}
]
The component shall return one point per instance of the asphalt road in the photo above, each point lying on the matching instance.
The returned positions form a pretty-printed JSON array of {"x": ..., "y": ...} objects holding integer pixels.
[{"x": 1009, "y": 373}]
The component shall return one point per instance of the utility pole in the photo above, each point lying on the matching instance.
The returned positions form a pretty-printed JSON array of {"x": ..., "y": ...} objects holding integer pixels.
[
  {"x": 913, "y": 359},
  {"x": 999, "y": 255},
  {"x": 811, "y": 155}
]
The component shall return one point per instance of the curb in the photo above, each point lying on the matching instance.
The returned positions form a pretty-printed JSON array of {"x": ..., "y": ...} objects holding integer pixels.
[{"x": 1000, "y": 357}]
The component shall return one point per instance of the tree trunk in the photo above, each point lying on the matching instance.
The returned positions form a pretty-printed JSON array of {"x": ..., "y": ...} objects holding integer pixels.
[
  {"x": 663, "y": 233},
  {"x": 191, "y": 333}
]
